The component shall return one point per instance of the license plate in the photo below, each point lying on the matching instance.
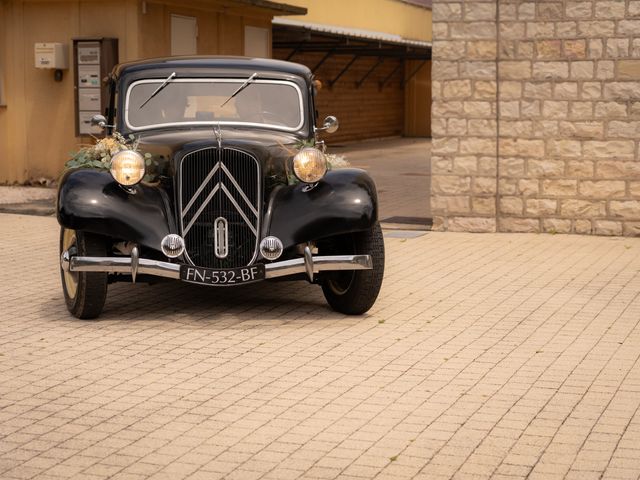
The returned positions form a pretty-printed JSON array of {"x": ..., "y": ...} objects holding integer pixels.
[{"x": 226, "y": 276}]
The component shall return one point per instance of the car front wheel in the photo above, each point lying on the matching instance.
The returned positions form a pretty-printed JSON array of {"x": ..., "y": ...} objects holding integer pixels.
[
  {"x": 354, "y": 292},
  {"x": 84, "y": 292}
]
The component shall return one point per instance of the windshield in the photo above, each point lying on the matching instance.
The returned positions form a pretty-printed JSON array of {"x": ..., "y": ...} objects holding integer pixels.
[{"x": 272, "y": 103}]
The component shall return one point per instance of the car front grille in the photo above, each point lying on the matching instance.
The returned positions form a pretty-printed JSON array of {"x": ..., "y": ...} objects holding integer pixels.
[{"x": 220, "y": 207}]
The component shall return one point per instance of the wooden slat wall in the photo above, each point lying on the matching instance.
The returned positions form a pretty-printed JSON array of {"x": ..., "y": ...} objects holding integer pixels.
[
  {"x": 417, "y": 113},
  {"x": 365, "y": 112}
]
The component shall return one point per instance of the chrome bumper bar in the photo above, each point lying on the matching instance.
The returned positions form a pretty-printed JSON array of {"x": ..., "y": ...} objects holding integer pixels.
[{"x": 136, "y": 266}]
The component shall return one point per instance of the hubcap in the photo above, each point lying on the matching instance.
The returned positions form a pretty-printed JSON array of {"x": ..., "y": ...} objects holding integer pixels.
[{"x": 70, "y": 278}]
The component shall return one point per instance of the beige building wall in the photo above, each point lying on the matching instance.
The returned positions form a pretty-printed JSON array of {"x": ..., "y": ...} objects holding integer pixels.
[
  {"x": 536, "y": 116},
  {"x": 37, "y": 129}
]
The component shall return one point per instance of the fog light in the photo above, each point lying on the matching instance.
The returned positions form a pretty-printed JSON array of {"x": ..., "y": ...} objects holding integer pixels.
[
  {"x": 271, "y": 248},
  {"x": 172, "y": 245}
]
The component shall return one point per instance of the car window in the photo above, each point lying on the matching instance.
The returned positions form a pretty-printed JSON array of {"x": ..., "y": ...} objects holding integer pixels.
[{"x": 277, "y": 104}]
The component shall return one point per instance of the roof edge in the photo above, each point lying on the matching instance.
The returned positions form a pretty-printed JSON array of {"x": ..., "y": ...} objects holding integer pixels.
[{"x": 281, "y": 8}]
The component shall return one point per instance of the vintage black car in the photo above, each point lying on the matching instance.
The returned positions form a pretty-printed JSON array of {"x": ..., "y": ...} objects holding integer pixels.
[{"x": 241, "y": 193}]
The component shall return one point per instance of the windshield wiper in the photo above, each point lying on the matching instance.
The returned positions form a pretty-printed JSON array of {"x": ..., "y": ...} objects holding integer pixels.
[
  {"x": 160, "y": 88},
  {"x": 242, "y": 87}
]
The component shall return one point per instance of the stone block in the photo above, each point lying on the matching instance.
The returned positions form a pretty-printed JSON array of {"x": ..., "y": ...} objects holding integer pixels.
[
  {"x": 580, "y": 168},
  {"x": 483, "y": 127},
  {"x": 540, "y": 29},
  {"x": 597, "y": 28},
  {"x": 481, "y": 49},
  {"x": 472, "y": 30},
  {"x": 484, "y": 185},
  {"x": 582, "y": 208},
  {"x": 596, "y": 48},
  {"x": 480, "y": 11},
  {"x": 538, "y": 90},
  {"x": 564, "y": 148},
  {"x": 581, "y": 129},
  {"x": 540, "y": 207},
  {"x": 609, "y": 149},
  {"x": 478, "y": 145},
  {"x": 515, "y": 70},
  {"x": 611, "y": 109},
  {"x": 628, "y": 27},
  {"x": 509, "y": 109},
  {"x": 605, "y": 70},
  {"x": 545, "y": 128},
  {"x": 566, "y": 90},
  {"x": 528, "y": 186},
  {"x": 439, "y": 30},
  {"x": 610, "y": 9},
  {"x": 456, "y": 126},
  {"x": 575, "y": 49},
  {"x": 519, "y": 225},
  {"x": 530, "y": 108},
  {"x": 566, "y": 29},
  {"x": 472, "y": 224},
  {"x": 456, "y": 89},
  {"x": 578, "y": 9},
  {"x": 620, "y": 129},
  {"x": 483, "y": 205},
  {"x": 465, "y": 165},
  {"x": 441, "y": 165},
  {"x": 582, "y": 70},
  {"x": 448, "y": 49},
  {"x": 634, "y": 8},
  {"x": 510, "y": 90},
  {"x": 443, "y": 70},
  {"x": 526, "y": 49},
  {"x": 516, "y": 128},
  {"x": 440, "y": 108},
  {"x": 548, "y": 50},
  {"x": 545, "y": 168},
  {"x": 556, "y": 225},
  {"x": 526, "y": 10},
  {"x": 487, "y": 165},
  {"x": 583, "y": 226},
  {"x": 634, "y": 189},
  {"x": 511, "y": 205},
  {"x": 444, "y": 145},
  {"x": 439, "y": 126},
  {"x": 451, "y": 184},
  {"x": 445, "y": 204},
  {"x": 628, "y": 209},
  {"x": 623, "y": 91},
  {"x": 602, "y": 188},
  {"x": 617, "y": 47},
  {"x": 508, "y": 186},
  {"x": 559, "y": 188},
  {"x": 607, "y": 227},
  {"x": 628, "y": 69},
  {"x": 485, "y": 90},
  {"x": 511, "y": 167},
  {"x": 438, "y": 224},
  {"x": 478, "y": 109},
  {"x": 445, "y": 11},
  {"x": 555, "y": 109},
  {"x": 635, "y": 47},
  {"x": 550, "y": 70},
  {"x": 521, "y": 147},
  {"x": 631, "y": 229},
  {"x": 478, "y": 70},
  {"x": 591, "y": 90},
  {"x": 581, "y": 110},
  {"x": 611, "y": 169}
]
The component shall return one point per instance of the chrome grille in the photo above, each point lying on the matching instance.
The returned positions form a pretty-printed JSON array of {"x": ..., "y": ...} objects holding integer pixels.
[{"x": 220, "y": 183}]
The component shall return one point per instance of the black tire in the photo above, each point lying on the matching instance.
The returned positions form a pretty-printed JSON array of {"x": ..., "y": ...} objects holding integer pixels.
[
  {"x": 85, "y": 298},
  {"x": 353, "y": 292}
]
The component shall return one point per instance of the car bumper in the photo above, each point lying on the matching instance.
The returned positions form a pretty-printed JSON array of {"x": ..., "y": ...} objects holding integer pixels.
[{"x": 134, "y": 266}]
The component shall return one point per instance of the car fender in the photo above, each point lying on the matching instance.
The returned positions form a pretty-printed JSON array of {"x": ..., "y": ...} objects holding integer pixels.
[
  {"x": 343, "y": 201},
  {"x": 91, "y": 200}
]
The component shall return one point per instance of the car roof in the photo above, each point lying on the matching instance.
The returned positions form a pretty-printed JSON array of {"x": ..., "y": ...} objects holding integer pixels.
[{"x": 225, "y": 63}]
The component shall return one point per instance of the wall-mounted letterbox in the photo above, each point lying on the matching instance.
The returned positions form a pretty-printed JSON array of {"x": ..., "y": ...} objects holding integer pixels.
[{"x": 94, "y": 58}]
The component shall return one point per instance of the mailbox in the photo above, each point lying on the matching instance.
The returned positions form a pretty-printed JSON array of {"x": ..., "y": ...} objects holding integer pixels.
[{"x": 94, "y": 58}]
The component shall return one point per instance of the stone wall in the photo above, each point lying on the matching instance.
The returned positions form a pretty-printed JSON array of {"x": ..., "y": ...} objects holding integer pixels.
[{"x": 536, "y": 116}]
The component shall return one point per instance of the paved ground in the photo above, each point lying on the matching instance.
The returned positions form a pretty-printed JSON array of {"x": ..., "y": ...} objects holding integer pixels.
[
  {"x": 504, "y": 355},
  {"x": 401, "y": 170}
]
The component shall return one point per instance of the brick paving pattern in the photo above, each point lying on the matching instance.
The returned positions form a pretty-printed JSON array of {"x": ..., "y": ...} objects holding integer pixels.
[{"x": 495, "y": 355}]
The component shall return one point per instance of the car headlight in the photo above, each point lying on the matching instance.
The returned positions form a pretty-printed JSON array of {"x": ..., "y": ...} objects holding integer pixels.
[
  {"x": 309, "y": 165},
  {"x": 127, "y": 167}
]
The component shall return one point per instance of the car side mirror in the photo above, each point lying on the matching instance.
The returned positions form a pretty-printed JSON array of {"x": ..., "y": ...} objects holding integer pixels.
[
  {"x": 99, "y": 121},
  {"x": 330, "y": 125}
]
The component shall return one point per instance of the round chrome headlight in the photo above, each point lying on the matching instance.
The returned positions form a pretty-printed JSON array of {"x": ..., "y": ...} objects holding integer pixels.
[
  {"x": 309, "y": 165},
  {"x": 127, "y": 167}
]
